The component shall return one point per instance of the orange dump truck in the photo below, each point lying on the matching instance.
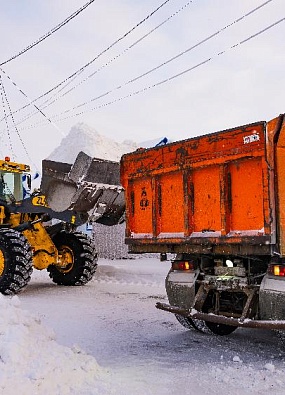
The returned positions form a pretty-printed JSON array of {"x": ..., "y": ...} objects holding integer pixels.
[{"x": 217, "y": 203}]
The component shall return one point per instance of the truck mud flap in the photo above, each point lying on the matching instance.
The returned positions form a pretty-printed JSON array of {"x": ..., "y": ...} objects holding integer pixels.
[
  {"x": 220, "y": 319},
  {"x": 89, "y": 185}
]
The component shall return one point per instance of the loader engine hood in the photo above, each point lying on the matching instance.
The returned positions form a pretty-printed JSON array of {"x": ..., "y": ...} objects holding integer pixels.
[{"x": 90, "y": 185}]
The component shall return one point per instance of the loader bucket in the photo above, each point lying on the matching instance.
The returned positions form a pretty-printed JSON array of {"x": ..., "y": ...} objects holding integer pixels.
[
  {"x": 90, "y": 185},
  {"x": 56, "y": 185}
]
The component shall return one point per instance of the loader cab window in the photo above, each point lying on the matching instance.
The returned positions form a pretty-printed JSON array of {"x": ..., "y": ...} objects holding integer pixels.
[{"x": 11, "y": 188}]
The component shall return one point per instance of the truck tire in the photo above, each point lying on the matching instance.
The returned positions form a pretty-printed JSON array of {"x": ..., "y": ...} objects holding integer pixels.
[
  {"x": 184, "y": 321},
  {"x": 16, "y": 264},
  {"x": 221, "y": 329},
  {"x": 79, "y": 259},
  {"x": 190, "y": 323}
]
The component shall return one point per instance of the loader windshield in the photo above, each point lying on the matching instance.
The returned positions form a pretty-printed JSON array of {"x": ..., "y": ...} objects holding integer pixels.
[{"x": 11, "y": 188}]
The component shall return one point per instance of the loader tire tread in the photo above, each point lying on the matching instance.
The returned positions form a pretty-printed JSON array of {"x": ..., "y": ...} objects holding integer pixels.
[
  {"x": 85, "y": 259},
  {"x": 17, "y": 261}
]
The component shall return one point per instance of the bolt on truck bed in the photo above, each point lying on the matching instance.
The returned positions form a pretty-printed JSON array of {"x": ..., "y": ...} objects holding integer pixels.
[{"x": 220, "y": 193}]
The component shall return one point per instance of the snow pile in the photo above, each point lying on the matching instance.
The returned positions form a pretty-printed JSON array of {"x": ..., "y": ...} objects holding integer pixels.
[
  {"x": 246, "y": 378},
  {"x": 31, "y": 362},
  {"x": 84, "y": 138}
]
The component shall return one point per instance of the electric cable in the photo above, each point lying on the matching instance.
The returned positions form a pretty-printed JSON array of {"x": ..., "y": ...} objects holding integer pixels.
[
  {"x": 24, "y": 94},
  {"x": 79, "y": 71},
  {"x": 165, "y": 80},
  {"x": 3, "y": 96},
  {"x": 16, "y": 129},
  {"x": 116, "y": 57},
  {"x": 169, "y": 60},
  {"x": 49, "y": 33},
  {"x": 151, "y": 70},
  {"x": 48, "y": 102}
]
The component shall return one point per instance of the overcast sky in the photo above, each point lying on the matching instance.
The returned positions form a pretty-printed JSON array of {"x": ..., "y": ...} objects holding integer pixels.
[{"x": 244, "y": 84}]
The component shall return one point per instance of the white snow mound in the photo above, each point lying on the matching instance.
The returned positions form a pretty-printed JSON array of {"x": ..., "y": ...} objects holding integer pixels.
[
  {"x": 84, "y": 138},
  {"x": 31, "y": 362}
]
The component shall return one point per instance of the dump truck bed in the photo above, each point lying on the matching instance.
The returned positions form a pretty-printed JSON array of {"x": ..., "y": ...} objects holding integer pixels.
[{"x": 220, "y": 193}]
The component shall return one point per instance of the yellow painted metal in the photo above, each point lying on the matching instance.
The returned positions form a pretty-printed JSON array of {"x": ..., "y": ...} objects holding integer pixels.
[
  {"x": 65, "y": 259},
  {"x": 39, "y": 200},
  {"x": 6, "y": 165},
  {"x": 2, "y": 263},
  {"x": 2, "y": 215},
  {"x": 16, "y": 218},
  {"x": 44, "y": 251}
]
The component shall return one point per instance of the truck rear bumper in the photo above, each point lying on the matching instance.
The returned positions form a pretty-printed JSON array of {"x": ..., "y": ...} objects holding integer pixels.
[{"x": 220, "y": 319}]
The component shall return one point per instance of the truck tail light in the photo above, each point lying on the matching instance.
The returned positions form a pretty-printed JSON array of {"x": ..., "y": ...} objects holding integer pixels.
[
  {"x": 277, "y": 270},
  {"x": 183, "y": 265}
]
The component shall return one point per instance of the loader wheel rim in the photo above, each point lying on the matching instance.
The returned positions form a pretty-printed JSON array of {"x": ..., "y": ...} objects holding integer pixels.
[
  {"x": 2, "y": 263},
  {"x": 66, "y": 259}
]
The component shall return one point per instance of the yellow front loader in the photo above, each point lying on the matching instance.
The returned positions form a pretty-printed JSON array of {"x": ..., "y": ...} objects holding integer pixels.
[{"x": 30, "y": 236}]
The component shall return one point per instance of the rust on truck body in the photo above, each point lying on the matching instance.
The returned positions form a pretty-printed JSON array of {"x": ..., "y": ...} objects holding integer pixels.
[{"x": 221, "y": 193}]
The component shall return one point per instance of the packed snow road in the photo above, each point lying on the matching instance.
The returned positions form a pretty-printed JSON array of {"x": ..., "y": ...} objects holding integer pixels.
[{"x": 114, "y": 319}]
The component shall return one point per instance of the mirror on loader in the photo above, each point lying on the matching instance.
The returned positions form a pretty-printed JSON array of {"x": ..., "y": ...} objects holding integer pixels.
[{"x": 90, "y": 185}]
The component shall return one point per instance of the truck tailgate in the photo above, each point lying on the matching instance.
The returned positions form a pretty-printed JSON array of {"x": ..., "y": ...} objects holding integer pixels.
[{"x": 214, "y": 193}]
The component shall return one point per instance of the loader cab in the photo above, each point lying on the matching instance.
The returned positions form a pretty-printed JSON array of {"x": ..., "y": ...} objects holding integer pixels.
[{"x": 11, "y": 185}]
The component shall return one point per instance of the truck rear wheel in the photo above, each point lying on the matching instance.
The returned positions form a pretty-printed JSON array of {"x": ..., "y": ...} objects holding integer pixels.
[
  {"x": 205, "y": 327},
  {"x": 220, "y": 329},
  {"x": 77, "y": 259},
  {"x": 15, "y": 261},
  {"x": 190, "y": 323}
]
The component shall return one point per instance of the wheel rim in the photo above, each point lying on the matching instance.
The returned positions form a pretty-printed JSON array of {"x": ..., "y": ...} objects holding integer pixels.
[
  {"x": 66, "y": 259},
  {"x": 2, "y": 263}
]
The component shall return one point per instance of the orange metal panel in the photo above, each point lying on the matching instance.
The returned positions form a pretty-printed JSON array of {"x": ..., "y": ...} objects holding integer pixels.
[
  {"x": 207, "y": 202},
  {"x": 139, "y": 207},
  {"x": 216, "y": 189},
  {"x": 246, "y": 213},
  {"x": 216, "y": 148},
  {"x": 170, "y": 205}
]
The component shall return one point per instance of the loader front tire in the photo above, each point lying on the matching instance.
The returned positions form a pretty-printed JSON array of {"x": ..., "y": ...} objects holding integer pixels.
[
  {"x": 77, "y": 259},
  {"x": 15, "y": 261}
]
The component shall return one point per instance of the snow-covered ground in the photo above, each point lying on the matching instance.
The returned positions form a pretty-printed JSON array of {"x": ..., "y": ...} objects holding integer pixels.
[{"x": 108, "y": 338}]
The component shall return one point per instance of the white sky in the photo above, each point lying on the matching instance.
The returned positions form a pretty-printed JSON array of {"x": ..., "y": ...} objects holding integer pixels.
[{"x": 243, "y": 85}]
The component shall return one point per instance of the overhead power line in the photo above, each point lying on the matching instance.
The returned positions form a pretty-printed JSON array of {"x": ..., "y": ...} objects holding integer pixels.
[
  {"x": 167, "y": 79},
  {"x": 26, "y": 96},
  {"x": 79, "y": 71},
  {"x": 4, "y": 102},
  {"x": 49, "y": 33},
  {"x": 4, "y": 95},
  {"x": 169, "y": 60},
  {"x": 48, "y": 102}
]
